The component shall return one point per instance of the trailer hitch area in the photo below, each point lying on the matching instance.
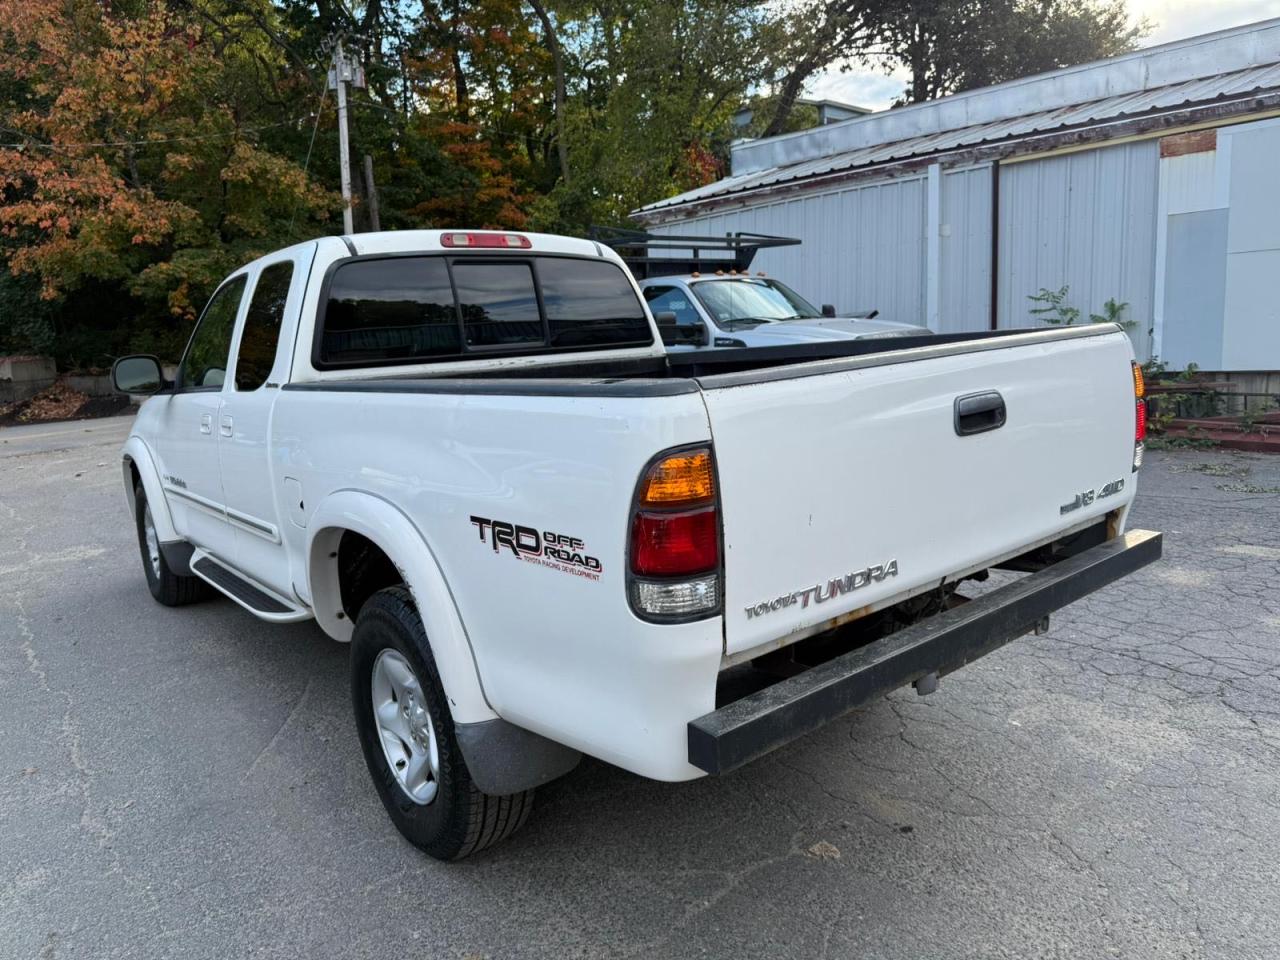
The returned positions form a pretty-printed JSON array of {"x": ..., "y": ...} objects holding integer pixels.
[
  {"x": 926, "y": 684},
  {"x": 1042, "y": 626}
]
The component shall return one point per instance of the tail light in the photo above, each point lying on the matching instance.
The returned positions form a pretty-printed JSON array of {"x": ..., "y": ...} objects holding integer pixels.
[
  {"x": 1139, "y": 416},
  {"x": 674, "y": 550}
]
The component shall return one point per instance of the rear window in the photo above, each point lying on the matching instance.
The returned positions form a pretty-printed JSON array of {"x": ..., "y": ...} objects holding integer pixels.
[
  {"x": 397, "y": 309},
  {"x": 590, "y": 302},
  {"x": 499, "y": 303},
  {"x": 431, "y": 308}
]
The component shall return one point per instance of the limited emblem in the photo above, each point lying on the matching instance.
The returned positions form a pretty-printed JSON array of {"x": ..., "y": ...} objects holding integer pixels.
[
  {"x": 544, "y": 547},
  {"x": 1086, "y": 497},
  {"x": 822, "y": 592}
]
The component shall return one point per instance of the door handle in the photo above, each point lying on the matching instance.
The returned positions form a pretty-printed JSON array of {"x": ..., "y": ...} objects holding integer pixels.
[
  {"x": 979, "y": 412},
  {"x": 226, "y": 426},
  {"x": 206, "y": 423}
]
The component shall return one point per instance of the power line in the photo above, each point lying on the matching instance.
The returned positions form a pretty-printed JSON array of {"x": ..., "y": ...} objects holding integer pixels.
[
  {"x": 33, "y": 144},
  {"x": 324, "y": 92}
]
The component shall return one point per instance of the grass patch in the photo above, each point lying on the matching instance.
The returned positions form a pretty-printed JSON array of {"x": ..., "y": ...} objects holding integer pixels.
[
  {"x": 1180, "y": 443},
  {"x": 1246, "y": 488}
]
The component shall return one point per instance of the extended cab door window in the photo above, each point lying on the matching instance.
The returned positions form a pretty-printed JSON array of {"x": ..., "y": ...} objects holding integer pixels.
[
  {"x": 261, "y": 334},
  {"x": 204, "y": 366}
]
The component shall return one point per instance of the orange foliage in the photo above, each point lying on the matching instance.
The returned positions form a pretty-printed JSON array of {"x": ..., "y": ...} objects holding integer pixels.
[
  {"x": 67, "y": 209},
  {"x": 486, "y": 194}
]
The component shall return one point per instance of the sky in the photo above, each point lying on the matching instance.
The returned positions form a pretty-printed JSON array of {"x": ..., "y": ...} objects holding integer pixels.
[{"x": 1172, "y": 20}]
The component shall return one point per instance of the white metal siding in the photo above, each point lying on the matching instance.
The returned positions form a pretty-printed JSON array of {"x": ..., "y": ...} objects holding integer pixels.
[
  {"x": 965, "y": 295},
  {"x": 1251, "y": 325},
  {"x": 1086, "y": 220},
  {"x": 862, "y": 247},
  {"x": 1190, "y": 182}
]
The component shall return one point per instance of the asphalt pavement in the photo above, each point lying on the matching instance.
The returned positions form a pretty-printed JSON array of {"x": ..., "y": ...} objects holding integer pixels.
[{"x": 187, "y": 783}]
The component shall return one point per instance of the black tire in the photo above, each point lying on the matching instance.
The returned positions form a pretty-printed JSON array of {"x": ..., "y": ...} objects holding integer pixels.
[
  {"x": 166, "y": 586},
  {"x": 460, "y": 820}
]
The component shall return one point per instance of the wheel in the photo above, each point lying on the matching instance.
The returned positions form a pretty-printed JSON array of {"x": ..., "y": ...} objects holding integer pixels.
[
  {"x": 407, "y": 737},
  {"x": 166, "y": 586}
]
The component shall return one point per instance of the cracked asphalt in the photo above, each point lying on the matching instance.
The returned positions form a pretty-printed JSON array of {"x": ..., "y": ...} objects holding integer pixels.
[{"x": 187, "y": 783}]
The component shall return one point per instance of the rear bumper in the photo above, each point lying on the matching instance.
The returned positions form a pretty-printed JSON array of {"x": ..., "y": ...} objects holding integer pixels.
[{"x": 748, "y": 728}]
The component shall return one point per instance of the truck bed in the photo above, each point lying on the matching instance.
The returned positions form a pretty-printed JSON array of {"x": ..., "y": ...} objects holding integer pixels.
[{"x": 629, "y": 377}]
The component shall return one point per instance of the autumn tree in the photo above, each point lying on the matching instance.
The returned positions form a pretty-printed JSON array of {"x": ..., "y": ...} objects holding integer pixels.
[{"x": 135, "y": 168}]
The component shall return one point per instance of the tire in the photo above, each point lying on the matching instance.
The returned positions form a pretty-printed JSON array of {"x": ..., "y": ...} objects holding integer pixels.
[
  {"x": 446, "y": 815},
  {"x": 166, "y": 587}
]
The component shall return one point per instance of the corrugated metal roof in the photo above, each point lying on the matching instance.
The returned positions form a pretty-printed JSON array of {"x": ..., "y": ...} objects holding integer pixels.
[{"x": 1202, "y": 90}]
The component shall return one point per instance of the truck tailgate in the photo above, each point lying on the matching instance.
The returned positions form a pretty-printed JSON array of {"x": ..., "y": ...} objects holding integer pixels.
[{"x": 846, "y": 484}]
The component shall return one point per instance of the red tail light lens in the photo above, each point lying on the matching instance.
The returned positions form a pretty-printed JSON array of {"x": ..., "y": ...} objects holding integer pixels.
[
  {"x": 507, "y": 241},
  {"x": 1139, "y": 415},
  {"x": 675, "y": 539},
  {"x": 675, "y": 544}
]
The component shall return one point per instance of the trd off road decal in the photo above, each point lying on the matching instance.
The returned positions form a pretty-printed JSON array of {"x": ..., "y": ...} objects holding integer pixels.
[{"x": 555, "y": 550}]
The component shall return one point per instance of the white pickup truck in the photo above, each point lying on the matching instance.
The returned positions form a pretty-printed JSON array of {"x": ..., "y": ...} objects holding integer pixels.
[{"x": 468, "y": 455}]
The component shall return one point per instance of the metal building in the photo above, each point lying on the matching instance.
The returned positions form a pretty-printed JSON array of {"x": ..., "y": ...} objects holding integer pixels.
[{"x": 1151, "y": 178}]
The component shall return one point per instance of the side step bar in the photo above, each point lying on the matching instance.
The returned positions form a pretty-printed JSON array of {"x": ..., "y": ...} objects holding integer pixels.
[
  {"x": 258, "y": 600},
  {"x": 749, "y": 728}
]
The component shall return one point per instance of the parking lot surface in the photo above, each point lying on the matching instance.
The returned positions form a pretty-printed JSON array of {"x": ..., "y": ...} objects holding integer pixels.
[{"x": 187, "y": 783}]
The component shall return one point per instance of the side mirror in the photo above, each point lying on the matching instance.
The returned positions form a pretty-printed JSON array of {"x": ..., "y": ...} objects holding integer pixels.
[
  {"x": 828, "y": 310},
  {"x": 137, "y": 376},
  {"x": 674, "y": 332}
]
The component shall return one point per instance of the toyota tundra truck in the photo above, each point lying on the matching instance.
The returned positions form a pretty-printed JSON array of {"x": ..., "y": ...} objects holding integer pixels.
[{"x": 467, "y": 455}]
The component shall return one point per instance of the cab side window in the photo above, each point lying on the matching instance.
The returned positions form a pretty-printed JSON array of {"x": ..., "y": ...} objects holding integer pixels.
[
  {"x": 261, "y": 334},
  {"x": 673, "y": 299},
  {"x": 204, "y": 367}
]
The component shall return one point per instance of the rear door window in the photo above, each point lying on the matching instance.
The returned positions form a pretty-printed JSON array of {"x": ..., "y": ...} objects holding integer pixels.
[{"x": 261, "y": 334}]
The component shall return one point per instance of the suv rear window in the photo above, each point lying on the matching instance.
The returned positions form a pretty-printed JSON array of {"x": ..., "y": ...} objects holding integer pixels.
[{"x": 393, "y": 310}]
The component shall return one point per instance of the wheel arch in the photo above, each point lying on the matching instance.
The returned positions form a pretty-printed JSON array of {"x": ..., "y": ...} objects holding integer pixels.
[
  {"x": 136, "y": 465},
  {"x": 387, "y": 528}
]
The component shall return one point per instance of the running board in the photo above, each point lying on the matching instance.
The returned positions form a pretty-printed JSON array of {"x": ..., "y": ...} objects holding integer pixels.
[{"x": 257, "y": 599}]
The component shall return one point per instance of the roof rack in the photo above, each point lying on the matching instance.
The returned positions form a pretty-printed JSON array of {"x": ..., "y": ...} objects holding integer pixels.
[{"x": 638, "y": 248}]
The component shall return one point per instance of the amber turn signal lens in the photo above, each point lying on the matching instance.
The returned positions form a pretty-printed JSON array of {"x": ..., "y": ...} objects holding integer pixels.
[
  {"x": 680, "y": 479},
  {"x": 1139, "y": 385}
]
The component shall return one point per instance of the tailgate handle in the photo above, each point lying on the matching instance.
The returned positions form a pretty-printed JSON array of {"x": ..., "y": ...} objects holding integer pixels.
[{"x": 979, "y": 412}]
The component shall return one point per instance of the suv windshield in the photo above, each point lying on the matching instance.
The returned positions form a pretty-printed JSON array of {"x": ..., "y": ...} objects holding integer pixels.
[{"x": 750, "y": 301}]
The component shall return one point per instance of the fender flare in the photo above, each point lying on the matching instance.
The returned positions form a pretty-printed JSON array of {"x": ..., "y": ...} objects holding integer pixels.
[
  {"x": 396, "y": 536},
  {"x": 135, "y": 452}
]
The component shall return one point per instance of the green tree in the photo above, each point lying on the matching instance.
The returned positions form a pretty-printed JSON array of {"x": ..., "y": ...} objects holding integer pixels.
[
  {"x": 1002, "y": 39},
  {"x": 946, "y": 45}
]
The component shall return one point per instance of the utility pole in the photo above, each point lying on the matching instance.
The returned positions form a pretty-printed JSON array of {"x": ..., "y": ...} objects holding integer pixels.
[
  {"x": 342, "y": 72},
  {"x": 371, "y": 191}
]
